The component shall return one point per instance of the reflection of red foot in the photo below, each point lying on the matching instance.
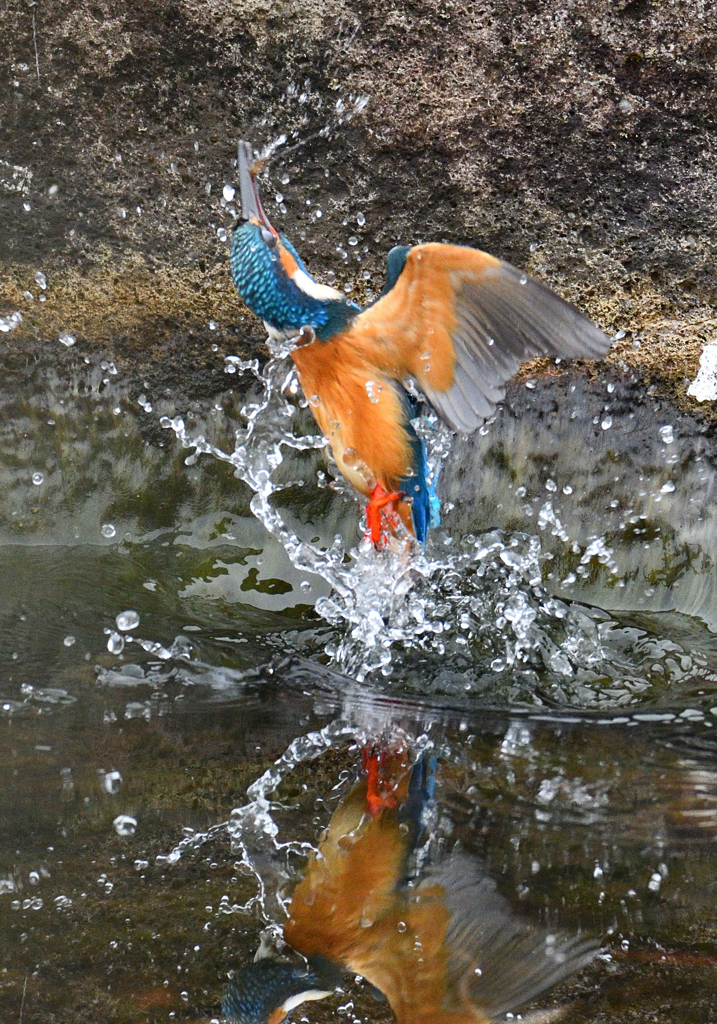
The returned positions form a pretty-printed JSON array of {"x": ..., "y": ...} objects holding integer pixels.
[
  {"x": 380, "y": 792},
  {"x": 380, "y": 499}
]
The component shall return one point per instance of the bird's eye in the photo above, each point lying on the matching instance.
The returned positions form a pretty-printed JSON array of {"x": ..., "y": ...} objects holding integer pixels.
[{"x": 269, "y": 237}]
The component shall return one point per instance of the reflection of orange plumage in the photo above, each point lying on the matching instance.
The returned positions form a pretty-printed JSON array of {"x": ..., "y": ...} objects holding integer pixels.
[
  {"x": 347, "y": 909},
  {"x": 422, "y": 945},
  {"x": 436, "y": 939}
]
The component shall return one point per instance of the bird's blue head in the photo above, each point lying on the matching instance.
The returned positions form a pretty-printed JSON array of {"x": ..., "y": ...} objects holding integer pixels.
[
  {"x": 268, "y": 272},
  {"x": 266, "y": 991}
]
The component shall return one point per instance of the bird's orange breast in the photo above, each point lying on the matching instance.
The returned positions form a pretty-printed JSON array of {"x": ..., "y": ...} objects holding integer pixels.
[{"x": 357, "y": 409}]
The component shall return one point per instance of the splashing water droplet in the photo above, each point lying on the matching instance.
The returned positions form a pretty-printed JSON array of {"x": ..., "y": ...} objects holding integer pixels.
[
  {"x": 667, "y": 488},
  {"x": 606, "y": 423},
  {"x": 37, "y": 479},
  {"x": 228, "y": 193},
  {"x": 108, "y": 530},
  {"x": 666, "y": 433},
  {"x": 115, "y": 643},
  {"x": 111, "y": 782},
  {"x": 40, "y": 279},
  {"x": 66, "y": 339},
  {"x": 125, "y": 825},
  {"x": 360, "y": 219},
  {"x": 127, "y": 620},
  {"x": 69, "y": 641},
  {"x": 524, "y": 279}
]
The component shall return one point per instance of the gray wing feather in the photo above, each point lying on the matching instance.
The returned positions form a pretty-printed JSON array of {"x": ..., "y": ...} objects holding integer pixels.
[
  {"x": 503, "y": 319},
  {"x": 517, "y": 960}
]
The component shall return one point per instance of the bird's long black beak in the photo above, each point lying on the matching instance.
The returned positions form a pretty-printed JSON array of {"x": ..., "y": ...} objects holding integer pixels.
[{"x": 251, "y": 207}]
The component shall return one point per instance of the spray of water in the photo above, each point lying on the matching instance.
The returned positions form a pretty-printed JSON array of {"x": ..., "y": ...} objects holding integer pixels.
[{"x": 470, "y": 613}]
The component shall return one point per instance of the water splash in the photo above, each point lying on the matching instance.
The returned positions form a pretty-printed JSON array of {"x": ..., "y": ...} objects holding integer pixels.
[{"x": 471, "y": 614}]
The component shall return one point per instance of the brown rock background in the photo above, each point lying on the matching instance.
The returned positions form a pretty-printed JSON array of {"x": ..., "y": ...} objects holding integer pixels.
[{"x": 575, "y": 139}]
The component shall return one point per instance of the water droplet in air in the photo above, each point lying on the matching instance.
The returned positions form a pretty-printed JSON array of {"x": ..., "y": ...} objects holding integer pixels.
[
  {"x": 360, "y": 219},
  {"x": 655, "y": 882},
  {"x": 667, "y": 488},
  {"x": 666, "y": 433},
  {"x": 606, "y": 423},
  {"x": 228, "y": 193},
  {"x": 567, "y": 489},
  {"x": 28, "y": 296},
  {"x": 314, "y": 401},
  {"x": 401, "y": 926},
  {"x": 26, "y": 207},
  {"x": 125, "y": 825},
  {"x": 530, "y": 385},
  {"x": 111, "y": 782},
  {"x": 534, "y": 246},
  {"x": 108, "y": 530},
  {"x": 69, "y": 641},
  {"x": 222, "y": 235},
  {"x": 348, "y": 287},
  {"x": 53, "y": 190},
  {"x": 115, "y": 643},
  {"x": 127, "y": 620},
  {"x": 40, "y": 279},
  {"x": 278, "y": 198},
  {"x": 618, "y": 335},
  {"x": 524, "y": 279},
  {"x": 353, "y": 240},
  {"x": 66, "y": 339},
  {"x": 285, "y": 179},
  {"x": 37, "y": 479},
  {"x": 550, "y": 485}
]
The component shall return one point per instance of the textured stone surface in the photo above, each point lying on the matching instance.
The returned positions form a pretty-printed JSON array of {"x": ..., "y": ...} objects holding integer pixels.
[{"x": 575, "y": 139}]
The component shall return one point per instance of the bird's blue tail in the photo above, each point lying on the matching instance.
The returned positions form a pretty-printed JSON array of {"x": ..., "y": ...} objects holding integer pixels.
[{"x": 425, "y": 506}]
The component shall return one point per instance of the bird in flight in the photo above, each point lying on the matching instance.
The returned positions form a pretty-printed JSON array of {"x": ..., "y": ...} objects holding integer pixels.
[{"x": 452, "y": 323}]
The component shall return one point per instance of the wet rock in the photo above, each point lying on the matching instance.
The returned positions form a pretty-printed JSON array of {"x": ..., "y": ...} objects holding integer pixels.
[{"x": 573, "y": 141}]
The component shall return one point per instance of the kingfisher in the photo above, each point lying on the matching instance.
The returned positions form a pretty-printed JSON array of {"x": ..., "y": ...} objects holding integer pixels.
[
  {"x": 453, "y": 325},
  {"x": 434, "y": 939}
]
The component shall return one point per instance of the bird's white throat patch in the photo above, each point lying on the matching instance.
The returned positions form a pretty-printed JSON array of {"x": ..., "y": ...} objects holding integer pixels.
[
  {"x": 312, "y": 288},
  {"x": 303, "y": 997}
]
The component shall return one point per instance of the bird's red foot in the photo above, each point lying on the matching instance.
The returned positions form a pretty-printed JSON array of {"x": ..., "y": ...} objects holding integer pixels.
[
  {"x": 380, "y": 790},
  {"x": 380, "y": 499}
]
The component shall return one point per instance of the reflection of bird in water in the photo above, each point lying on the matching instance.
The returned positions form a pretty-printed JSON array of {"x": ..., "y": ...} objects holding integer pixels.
[
  {"x": 439, "y": 942},
  {"x": 455, "y": 320}
]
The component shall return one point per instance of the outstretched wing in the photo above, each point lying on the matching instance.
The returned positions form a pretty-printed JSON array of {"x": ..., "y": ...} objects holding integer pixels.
[{"x": 461, "y": 322}]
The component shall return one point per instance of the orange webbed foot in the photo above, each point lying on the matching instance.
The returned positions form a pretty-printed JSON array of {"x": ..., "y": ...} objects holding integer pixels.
[{"x": 380, "y": 499}]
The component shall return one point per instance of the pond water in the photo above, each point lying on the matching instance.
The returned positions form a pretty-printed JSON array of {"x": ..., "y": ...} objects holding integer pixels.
[{"x": 187, "y": 600}]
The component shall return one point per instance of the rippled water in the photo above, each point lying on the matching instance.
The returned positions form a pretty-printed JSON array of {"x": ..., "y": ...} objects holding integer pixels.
[{"x": 553, "y": 645}]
